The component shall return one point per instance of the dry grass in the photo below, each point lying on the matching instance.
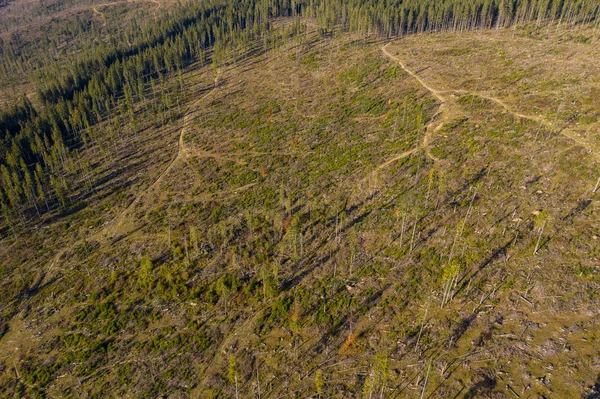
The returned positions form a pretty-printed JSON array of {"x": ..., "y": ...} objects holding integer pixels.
[
  {"x": 550, "y": 73},
  {"x": 417, "y": 239}
]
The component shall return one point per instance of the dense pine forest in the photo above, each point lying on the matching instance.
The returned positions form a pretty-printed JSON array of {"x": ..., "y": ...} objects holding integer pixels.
[{"x": 268, "y": 199}]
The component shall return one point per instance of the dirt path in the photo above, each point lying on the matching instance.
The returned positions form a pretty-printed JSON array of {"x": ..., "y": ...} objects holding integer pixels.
[
  {"x": 113, "y": 227},
  {"x": 437, "y": 93},
  {"x": 95, "y": 7},
  {"x": 78, "y": 9},
  {"x": 441, "y": 116},
  {"x": 121, "y": 224},
  {"x": 564, "y": 131},
  {"x": 429, "y": 129},
  {"x": 440, "y": 95},
  {"x": 397, "y": 158},
  {"x": 101, "y": 16},
  {"x": 182, "y": 153}
]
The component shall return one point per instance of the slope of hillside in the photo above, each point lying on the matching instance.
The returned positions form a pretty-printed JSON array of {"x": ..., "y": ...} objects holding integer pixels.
[
  {"x": 337, "y": 217},
  {"x": 549, "y": 76}
]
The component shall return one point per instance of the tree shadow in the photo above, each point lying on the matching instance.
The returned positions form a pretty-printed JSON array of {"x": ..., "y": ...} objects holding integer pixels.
[
  {"x": 462, "y": 328},
  {"x": 594, "y": 390},
  {"x": 581, "y": 206},
  {"x": 483, "y": 388},
  {"x": 464, "y": 281}
]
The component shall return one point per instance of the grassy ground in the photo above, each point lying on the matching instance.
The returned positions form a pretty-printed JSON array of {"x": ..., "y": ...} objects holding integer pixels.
[
  {"x": 327, "y": 223},
  {"x": 550, "y": 73}
]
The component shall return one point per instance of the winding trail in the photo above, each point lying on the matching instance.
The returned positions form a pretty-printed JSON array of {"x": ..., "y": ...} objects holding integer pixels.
[
  {"x": 101, "y": 16},
  {"x": 429, "y": 129},
  {"x": 441, "y": 96},
  {"x": 426, "y": 141},
  {"x": 182, "y": 153},
  {"x": 397, "y": 158},
  {"x": 564, "y": 130},
  {"x": 437, "y": 93},
  {"x": 445, "y": 98},
  {"x": 111, "y": 228},
  {"x": 118, "y": 224},
  {"x": 75, "y": 10},
  {"x": 96, "y": 11}
]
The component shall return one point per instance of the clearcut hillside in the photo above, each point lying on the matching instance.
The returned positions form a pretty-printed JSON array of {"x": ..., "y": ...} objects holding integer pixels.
[{"x": 310, "y": 210}]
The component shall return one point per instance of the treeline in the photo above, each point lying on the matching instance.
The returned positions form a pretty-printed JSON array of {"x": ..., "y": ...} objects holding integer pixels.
[
  {"x": 77, "y": 94},
  {"x": 395, "y": 18}
]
